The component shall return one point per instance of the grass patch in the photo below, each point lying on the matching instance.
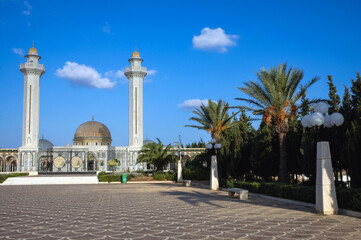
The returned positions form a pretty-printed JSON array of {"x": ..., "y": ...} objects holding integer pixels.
[{"x": 6, "y": 176}]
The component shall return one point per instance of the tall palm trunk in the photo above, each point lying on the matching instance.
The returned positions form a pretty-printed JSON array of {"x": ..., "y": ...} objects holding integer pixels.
[
  {"x": 283, "y": 157},
  {"x": 281, "y": 130}
]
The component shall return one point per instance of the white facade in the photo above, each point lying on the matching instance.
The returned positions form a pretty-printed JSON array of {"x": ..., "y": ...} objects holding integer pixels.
[{"x": 41, "y": 156}]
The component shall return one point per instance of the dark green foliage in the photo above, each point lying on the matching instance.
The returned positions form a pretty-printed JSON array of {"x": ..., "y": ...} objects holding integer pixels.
[
  {"x": 200, "y": 144},
  {"x": 281, "y": 190},
  {"x": 233, "y": 160},
  {"x": 353, "y": 133},
  {"x": 194, "y": 169},
  {"x": 334, "y": 101},
  {"x": 170, "y": 176},
  {"x": 104, "y": 177},
  {"x": 109, "y": 178},
  {"x": 159, "y": 176},
  {"x": 190, "y": 174},
  {"x": 356, "y": 93},
  {"x": 264, "y": 159},
  {"x": 349, "y": 198},
  {"x": 275, "y": 96},
  {"x": 213, "y": 118},
  {"x": 6, "y": 176},
  {"x": 346, "y": 198},
  {"x": 156, "y": 154}
]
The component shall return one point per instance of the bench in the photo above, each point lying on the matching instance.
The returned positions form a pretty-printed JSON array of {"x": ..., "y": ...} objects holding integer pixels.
[
  {"x": 187, "y": 183},
  {"x": 243, "y": 194}
]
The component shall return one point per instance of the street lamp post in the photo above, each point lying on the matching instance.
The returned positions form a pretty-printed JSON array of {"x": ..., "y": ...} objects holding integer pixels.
[
  {"x": 326, "y": 201},
  {"x": 179, "y": 166},
  {"x": 213, "y": 147}
]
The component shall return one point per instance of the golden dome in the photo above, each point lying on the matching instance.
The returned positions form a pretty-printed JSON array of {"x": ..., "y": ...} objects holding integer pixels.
[
  {"x": 135, "y": 53},
  {"x": 92, "y": 130},
  {"x": 33, "y": 50}
]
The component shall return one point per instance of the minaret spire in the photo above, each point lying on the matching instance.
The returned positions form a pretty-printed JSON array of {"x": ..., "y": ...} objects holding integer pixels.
[
  {"x": 135, "y": 74},
  {"x": 32, "y": 71}
]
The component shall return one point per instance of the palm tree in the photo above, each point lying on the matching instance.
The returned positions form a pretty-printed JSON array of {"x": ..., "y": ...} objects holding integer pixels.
[
  {"x": 213, "y": 118},
  {"x": 156, "y": 154},
  {"x": 275, "y": 98}
]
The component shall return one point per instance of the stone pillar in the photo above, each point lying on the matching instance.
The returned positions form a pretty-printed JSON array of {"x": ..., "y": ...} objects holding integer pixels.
[
  {"x": 179, "y": 170},
  {"x": 326, "y": 201},
  {"x": 214, "y": 173}
]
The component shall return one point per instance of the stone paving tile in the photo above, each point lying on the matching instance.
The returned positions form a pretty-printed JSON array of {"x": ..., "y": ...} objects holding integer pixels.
[{"x": 155, "y": 212}]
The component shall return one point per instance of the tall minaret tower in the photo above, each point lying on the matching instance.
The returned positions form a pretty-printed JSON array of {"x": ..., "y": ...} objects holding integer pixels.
[
  {"x": 32, "y": 71},
  {"x": 135, "y": 74}
]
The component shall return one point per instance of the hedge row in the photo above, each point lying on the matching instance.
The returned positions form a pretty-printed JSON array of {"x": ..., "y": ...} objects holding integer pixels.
[
  {"x": 6, "y": 176},
  {"x": 349, "y": 198},
  {"x": 103, "y": 177},
  {"x": 191, "y": 174},
  {"x": 162, "y": 176},
  {"x": 346, "y": 198}
]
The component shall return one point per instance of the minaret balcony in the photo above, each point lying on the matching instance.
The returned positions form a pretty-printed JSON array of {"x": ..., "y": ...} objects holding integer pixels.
[
  {"x": 31, "y": 65},
  {"x": 131, "y": 69}
]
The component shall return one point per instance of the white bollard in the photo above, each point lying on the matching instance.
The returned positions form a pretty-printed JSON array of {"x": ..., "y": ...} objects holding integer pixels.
[
  {"x": 214, "y": 173},
  {"x": 326, "y": 200},
  {"x": 179, "y": 171}
]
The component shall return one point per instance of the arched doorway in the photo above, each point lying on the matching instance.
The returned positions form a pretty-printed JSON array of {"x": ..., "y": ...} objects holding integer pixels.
[
  {"x": 46, "y": 164},
  {"x": 2, "y": 165},
  {"x": 91, "y": 162},
  {"x": 11, "y": 164}
]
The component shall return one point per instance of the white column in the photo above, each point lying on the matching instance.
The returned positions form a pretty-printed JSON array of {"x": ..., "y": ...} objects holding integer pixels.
[
  {"x": 326, "y": 201},
  {"x": 135, "y": 74},
  {"x": 179, "y": 170},
  {"x": 32, "y": 71},
  {"x": 214, "y": 173}
]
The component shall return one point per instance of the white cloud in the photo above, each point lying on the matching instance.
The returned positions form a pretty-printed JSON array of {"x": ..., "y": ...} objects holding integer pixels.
[
  {"x": 117, "y": 75},
  {"x": 191, "y": 104},
  {"x": 28, "y": 8},
  {"x": 150, "y": 72},
  {"x": 214, "y": 39},
  {"x": 18, "y": 51},
  {"x": 106, "y": 28},
  {"x": 84, "y": 75}
]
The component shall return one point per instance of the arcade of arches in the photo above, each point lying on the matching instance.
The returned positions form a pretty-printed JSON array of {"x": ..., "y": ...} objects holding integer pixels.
[{"x": 8, "y": 163}]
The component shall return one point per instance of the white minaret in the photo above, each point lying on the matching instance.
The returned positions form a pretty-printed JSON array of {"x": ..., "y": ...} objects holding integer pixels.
[
  {"x": 32, "y": 71},
  {"x": 135, "y": 74}
]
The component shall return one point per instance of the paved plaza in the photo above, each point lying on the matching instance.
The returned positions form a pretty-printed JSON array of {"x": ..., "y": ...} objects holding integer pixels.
[{"x": 157, "y": 211}]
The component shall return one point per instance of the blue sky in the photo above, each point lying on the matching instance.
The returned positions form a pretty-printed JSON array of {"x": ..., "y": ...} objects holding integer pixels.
[{"x": 194, "y": 49}]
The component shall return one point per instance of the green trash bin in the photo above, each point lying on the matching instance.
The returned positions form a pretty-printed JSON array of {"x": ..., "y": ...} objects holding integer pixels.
[{"x": 124, "y": 178}]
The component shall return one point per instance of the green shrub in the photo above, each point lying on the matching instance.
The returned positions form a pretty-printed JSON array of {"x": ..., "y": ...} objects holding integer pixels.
[
  {"x": 199, "y": 174},
  {"x": 170, "y": 176},
  {"x": 6, "y": 176},
  {"x": 159, "y": 176},
  {"x": 109, "y": 178},
  {"x": 102, "y": 173},
  {"x": 281, "y": 190},
  {"x": 349, "y": 198},
  {"x": 129, "y": 177}
]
